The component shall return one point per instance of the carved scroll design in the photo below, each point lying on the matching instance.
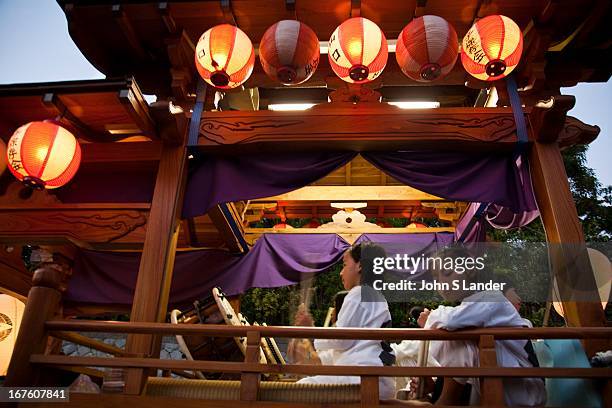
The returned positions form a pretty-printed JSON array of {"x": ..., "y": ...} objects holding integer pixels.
[
  {"x": 577, "y": 132},
  {"x": 84, "y": 225},
  {"x": 313, "y": 127},
  {"x": 213, "y": 129}
]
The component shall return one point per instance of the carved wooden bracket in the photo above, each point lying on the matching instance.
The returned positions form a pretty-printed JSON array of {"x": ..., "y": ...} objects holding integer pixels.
[
  {"x": 551, "y": 118},
  {"x": 577, "y": 132}
]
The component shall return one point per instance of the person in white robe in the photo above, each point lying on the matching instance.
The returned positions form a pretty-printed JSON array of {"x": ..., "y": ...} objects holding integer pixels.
[
  {"x": 362, "y": 307},
  {"x": 478, "y": 310}
]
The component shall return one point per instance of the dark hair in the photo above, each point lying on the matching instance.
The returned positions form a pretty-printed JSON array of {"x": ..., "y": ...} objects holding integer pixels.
[
  {"x": 365, "y": 253},
  {"x": 339, "y": 300}
]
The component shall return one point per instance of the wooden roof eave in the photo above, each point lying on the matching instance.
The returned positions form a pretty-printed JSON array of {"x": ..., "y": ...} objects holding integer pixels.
[{"x": 97, "y": 110}]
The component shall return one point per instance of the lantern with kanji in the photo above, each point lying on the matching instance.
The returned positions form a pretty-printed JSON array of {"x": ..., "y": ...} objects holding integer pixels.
[
  {"x": 43, "y": 154},
  {"x": 358, "y": 50},
  {"x": 492, "y": 48},
  {"x": 427, "y": 48},
  {"x": 225, "y": 56},
  {"x": 289, "y": 52}
]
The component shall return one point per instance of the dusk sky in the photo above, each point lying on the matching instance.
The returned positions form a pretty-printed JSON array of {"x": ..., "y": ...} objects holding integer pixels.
[{"x": 36, "y": 47}]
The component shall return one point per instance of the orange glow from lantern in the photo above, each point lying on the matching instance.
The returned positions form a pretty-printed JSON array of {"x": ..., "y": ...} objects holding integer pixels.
[
  {"x": 43, "y": 154},
  {"x": 492, "y": 48},
  {"x": 225, "y": 56},
  {"x": 358, "y": 50}
]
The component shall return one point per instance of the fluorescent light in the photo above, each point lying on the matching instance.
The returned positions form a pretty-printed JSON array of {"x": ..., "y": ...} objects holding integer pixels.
[
  {"x": 290, "y": 106},
  {"x": 416, "y": 104},
  {"x": 342, "y": 206}
]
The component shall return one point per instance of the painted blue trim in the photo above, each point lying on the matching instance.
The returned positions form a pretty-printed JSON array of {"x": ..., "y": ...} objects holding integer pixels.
[
  {"x": 196, "y": 115},
  {"x": 235, "y": 229}
]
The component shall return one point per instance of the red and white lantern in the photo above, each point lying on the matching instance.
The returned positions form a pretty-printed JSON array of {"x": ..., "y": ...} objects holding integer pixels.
[
  {"x": 289, "y": 52},
  {"x": 427, "y": 48},
  {"x": 358, "y": 50},
  {"x": 43, "y": 154},
  {"x": 492, "y": 48},
  {"x": 225, "y": 56}
]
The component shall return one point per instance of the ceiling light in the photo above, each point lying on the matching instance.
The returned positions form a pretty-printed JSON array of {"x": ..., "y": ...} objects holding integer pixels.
[
  {"x": 416, "y": 104},
  {"x": 290, "y": 106},
  {"x": 353, "y": 205}
]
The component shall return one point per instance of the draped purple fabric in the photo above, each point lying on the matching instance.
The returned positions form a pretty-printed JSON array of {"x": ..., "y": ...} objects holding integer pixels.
[
  {"x": 461, "y": 176},
  {"x": 275, "y": 260},
  {"x": 498, "y": 216},
  {"x": 453, "y": 175},
  {"x": 222, "y": 179}
]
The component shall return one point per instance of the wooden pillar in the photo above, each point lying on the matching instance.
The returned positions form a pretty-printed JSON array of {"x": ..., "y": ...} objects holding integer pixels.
[
  {"x": 44, "y": 300},
  {"x": 249, "y": 382},
  {"x": 157, "y": 261},
  {"x": 565, "y": 237},
  {"x": 369, "y": 391},
  {"x": 491, "y": 389}
]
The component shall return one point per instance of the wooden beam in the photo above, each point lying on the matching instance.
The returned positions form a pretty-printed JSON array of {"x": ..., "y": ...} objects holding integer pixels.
[
  {"x": 564, "y": 234},
  {"x": 138, "y": 109},
  {"x": 229, "y": 225},
  {"x": 367, "y": 126},
  {"x": 352, "y": 193},
  {"x": 120, "y": 152},
  {"x": 127, "y": 29},
  {"x": 69, "y": 120},
  {"x": 157, "y": 262},
  {"x": 349, "y": 234}
]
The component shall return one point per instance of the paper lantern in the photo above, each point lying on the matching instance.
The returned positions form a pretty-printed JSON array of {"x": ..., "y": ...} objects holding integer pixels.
[
  {"x": 427, "y": 48},
  {"x": 492, "y": 48},
  {"x": 225, "y": 56},
  {"x": 358, "y": 50},
  {"x": 43, "y": 154},
  {"x": 289, "y": 52},
  {"x": 602, "y": 272},
  {"x": 11, "y": 312}
]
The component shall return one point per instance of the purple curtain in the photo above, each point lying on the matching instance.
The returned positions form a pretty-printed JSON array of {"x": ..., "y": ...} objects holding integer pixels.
[
  {"x": 222, "y": 179},
  {"x": 109, "y": 278},
  {"x": 453, "y": 175},
  {"x": 460, "y": 176},
  {"x": 498, "y": 216}
]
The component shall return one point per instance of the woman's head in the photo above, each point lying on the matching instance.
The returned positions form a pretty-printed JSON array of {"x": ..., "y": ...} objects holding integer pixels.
[{"x": 359, "y": 264}]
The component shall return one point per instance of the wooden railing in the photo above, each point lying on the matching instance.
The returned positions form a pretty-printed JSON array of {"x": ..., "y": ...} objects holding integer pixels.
[{"x": 251, "y": 369}]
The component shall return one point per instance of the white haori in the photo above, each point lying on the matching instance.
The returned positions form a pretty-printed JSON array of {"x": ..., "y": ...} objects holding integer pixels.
[
  {"x": 486, "y": 309},
  {"x": 355, "y": 313}
]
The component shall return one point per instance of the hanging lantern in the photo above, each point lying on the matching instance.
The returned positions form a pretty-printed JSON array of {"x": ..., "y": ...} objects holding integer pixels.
[
  {"x": 225, "y": 56},
  {"x": 289, "y": 52},
  {"x": 492, "y": 48},
  {"x": 43, "y": 154},
  {"x": 358, "y": 50},
  {"x": 427, "y": 48}
]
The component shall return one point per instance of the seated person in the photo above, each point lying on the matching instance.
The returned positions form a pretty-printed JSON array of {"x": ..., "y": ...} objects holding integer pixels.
[
  {"x": 476, "y": 310},
  {"x": 362, "y": 307}
]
